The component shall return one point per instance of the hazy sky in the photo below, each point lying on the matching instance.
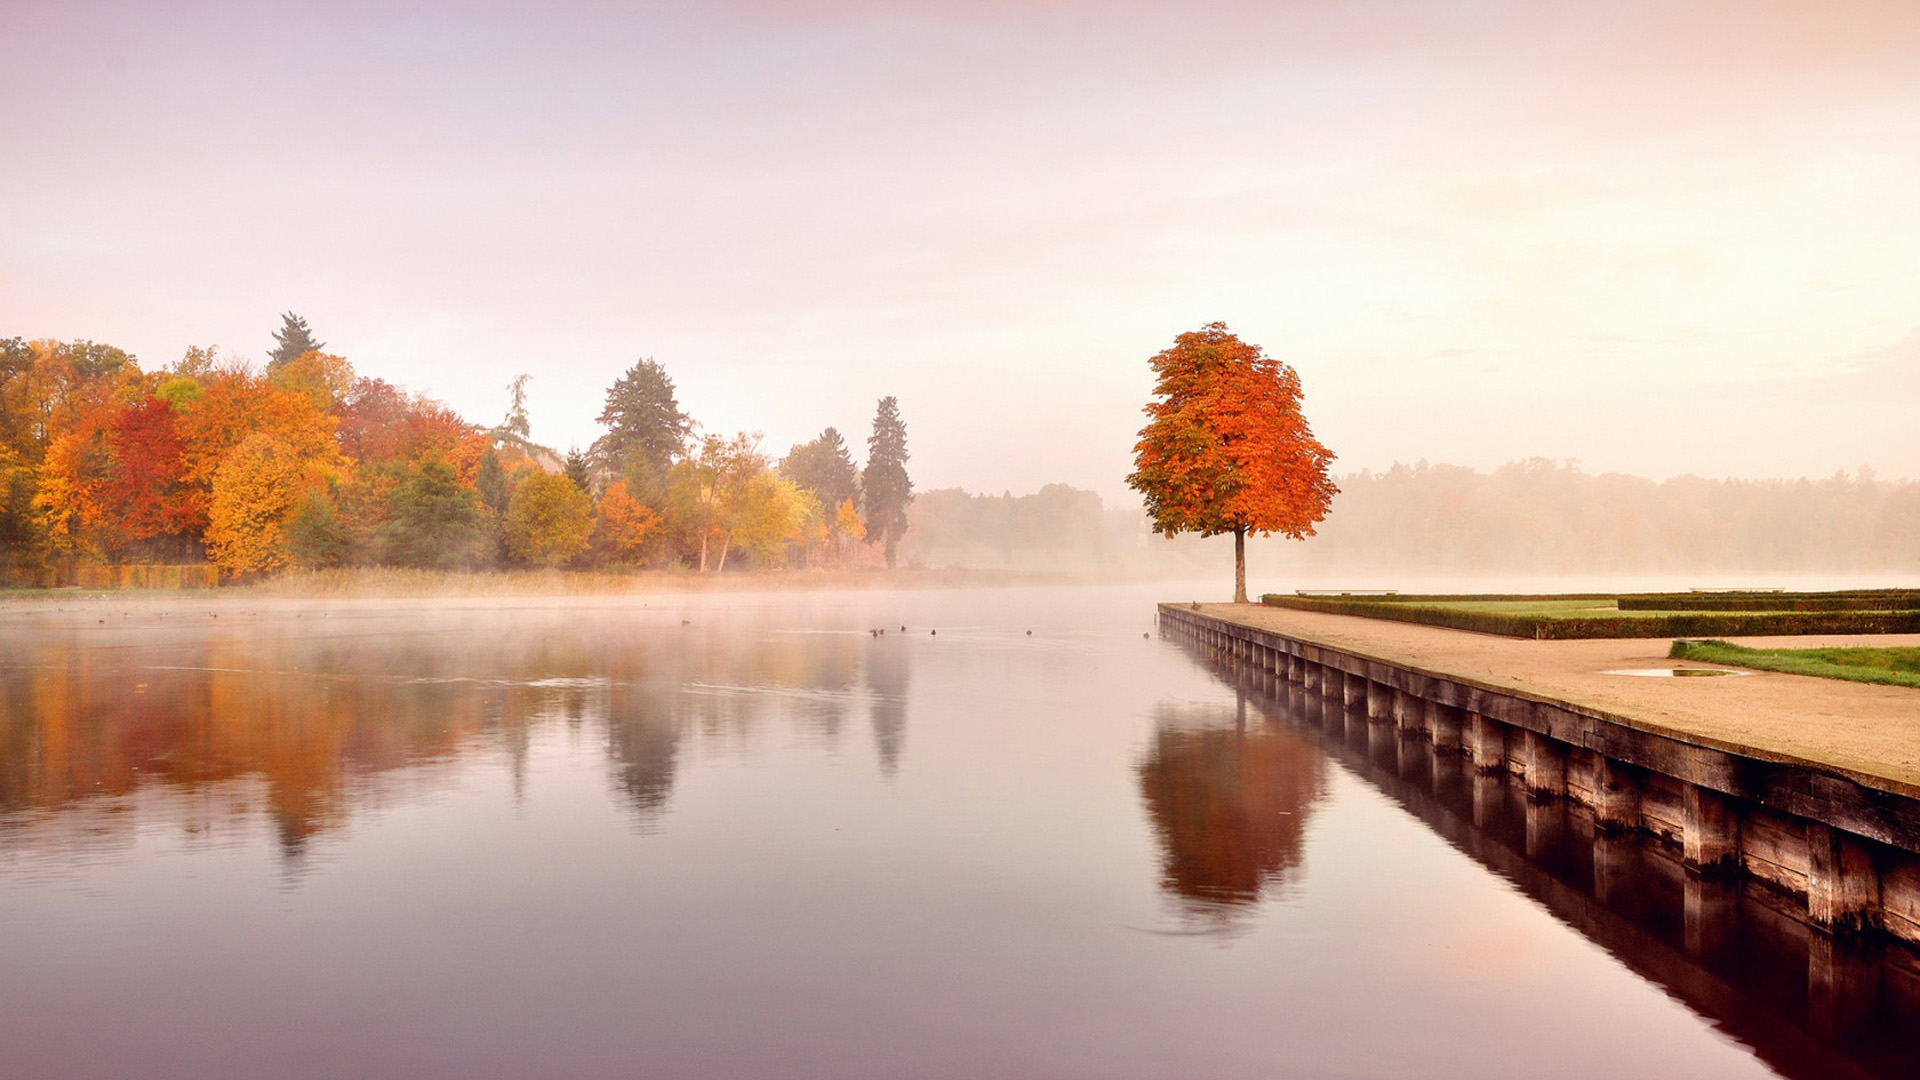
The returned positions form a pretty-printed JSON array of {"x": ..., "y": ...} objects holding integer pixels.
[{"x": 1657, "y": 236}]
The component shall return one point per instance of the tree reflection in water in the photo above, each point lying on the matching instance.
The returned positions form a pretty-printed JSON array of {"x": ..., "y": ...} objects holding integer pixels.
[
  {"x": 887, "y": 687},
  {"x": 643, "y": 742},
  {"x": 1229, "y": 802},
  {"x": 287, "y": 719}
]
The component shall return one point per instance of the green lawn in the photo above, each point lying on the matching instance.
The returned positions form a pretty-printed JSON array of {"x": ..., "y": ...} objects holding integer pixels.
[
  {"x": 1544, "y": 607},
  {"x": 1893, "y": 666}
]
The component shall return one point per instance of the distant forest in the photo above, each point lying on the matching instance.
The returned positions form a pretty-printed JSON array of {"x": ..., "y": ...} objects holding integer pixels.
[
  {"x": 1533, "y": 516},
  {"x": 307, "y": 463}
]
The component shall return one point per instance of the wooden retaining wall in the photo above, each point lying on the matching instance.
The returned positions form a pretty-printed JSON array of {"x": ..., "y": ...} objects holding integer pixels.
[
  {"x": 1740, "y": 954},
  {"x": 1845, "y": 852}
]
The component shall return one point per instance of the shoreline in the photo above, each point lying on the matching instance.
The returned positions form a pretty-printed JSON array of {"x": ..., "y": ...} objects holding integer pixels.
[{"x": 395, "y": 584}]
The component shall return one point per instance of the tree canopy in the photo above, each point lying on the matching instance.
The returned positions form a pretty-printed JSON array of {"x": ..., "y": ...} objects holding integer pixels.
[
  {"x": 1226, "y": 448},
  {"x": 307, "y": 464},
  {"x": 293, "y": 340},
  {"x": 436, "y": 521},
  {"x": 824, "y": 467},
  {"x": 885, "y": 488},
  {"x": 549, "y": 520},
  {"x": 578, "y": 470},
  {"x": 643, "y": 418}
]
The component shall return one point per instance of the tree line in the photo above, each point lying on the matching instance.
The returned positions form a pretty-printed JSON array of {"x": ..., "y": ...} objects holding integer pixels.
[{"x": 307, "y": 463}]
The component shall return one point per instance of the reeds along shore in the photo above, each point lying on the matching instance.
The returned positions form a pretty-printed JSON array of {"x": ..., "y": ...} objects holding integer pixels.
[{"x": 398, "y": 582}]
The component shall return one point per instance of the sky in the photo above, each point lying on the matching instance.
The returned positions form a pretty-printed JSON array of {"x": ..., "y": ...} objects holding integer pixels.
[{"x": 1659, "y": 237}]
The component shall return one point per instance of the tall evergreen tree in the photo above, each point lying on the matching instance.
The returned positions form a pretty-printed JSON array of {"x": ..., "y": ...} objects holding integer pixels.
[
  {"x": 643, "y": 419},
  {"x": 292, "y": 341},
  {"x": 885, "y": 488}
]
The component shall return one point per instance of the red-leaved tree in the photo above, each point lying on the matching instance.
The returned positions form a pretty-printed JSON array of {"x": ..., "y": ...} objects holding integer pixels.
[
  {"x": 148, "y": 494},
  {"x": 1226, "y": 448}
]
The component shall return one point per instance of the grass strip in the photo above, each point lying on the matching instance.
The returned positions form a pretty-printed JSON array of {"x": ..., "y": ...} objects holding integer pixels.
[{"x": 1888, "y": 666}]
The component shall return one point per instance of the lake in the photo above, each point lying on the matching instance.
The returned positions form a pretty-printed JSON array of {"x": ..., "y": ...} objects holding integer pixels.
[{"x": 746, "y": 834}]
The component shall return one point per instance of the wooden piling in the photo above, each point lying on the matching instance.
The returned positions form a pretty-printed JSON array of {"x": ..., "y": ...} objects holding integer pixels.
[
  {"x": 1843, "y": 890},
  {"x": 1486, "y": 743},
  {"x": 1709, "y": 831},
  {"x": 1445, "y": 726},
  {"x": 1545, "y": 770},
  {"x": 1616, "y": 795},
  {"x": 1379, "y": 702}
]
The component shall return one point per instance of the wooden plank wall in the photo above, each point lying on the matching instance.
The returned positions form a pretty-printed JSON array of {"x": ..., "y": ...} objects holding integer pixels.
[{"x": 1846, "y": 853}]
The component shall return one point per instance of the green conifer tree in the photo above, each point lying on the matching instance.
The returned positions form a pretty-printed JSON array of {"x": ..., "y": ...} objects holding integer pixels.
[
  {"x": 293, "y": 340},
  {"x": 578, "y": 470},
  {"x": 885, "y": 488},
  {"x": 642, "y": 416}
]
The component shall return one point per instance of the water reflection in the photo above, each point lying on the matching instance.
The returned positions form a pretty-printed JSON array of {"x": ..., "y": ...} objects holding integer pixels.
[
  {"x": 886, "y": 673},
  {"x": 743, "y": 837},
  {"x": 1805, "y": 1004},
  {"x": 1229, "y": 804},
  {"x": 643, "y": 741},
  {"x": 294, "y": 720}
]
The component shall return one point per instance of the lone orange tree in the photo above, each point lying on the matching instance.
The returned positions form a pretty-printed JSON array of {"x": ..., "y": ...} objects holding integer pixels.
[{"x": 1226, "y": 448}]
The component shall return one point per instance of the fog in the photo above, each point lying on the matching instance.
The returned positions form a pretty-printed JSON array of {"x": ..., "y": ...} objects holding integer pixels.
[
  {"x": 1531, "y": 525},
  {"x": 1662, "y": 239}
]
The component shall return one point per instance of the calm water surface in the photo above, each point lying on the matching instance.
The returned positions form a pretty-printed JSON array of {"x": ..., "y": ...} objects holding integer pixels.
[{"x": 741, "y": 835}]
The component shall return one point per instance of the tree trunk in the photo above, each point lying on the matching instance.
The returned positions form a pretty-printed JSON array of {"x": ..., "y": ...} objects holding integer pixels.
[
  {"x": 725, "y": 546},
  {"x": 890, "y": 552},
  {"x": 703, "y": 551},
  {"x": 1239, "y": 564}
]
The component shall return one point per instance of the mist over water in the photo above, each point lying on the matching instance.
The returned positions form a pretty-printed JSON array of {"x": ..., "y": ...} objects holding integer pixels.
[
  {"x": 744, "y": 834},
  {"x": 1533, "y": 518}
]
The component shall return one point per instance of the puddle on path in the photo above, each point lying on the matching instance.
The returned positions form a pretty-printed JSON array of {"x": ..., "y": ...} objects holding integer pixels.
[{"x": 1675, "y": 673}]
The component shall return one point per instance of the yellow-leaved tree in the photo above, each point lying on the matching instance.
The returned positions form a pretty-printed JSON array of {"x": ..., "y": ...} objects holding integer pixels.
[
  {"x": 848, "y": 526},
  {"x": 765, "y": 513},
  {"x": 549, "y": 520},
  {"x": 256, "y": 488},
  {"x": 322, "y": 378}
]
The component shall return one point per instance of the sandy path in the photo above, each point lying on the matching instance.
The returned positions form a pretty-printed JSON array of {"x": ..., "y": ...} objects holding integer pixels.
[{"x": 1856, "y": 727}]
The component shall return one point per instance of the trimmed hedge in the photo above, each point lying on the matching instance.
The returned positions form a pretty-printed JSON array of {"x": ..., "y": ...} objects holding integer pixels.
[
  {"x": 1690, "y": 624},
  {"x": 1416, "y": 598},
  {"x": 1839, "y": 600},
  {"x": 1881, "y": 600}
]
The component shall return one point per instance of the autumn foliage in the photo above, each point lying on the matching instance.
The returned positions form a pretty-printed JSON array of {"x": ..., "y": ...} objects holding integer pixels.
[
  {"x": 254, "y": 493},
  {"x": 309, "y": 464},
  {"x": 549, "y": 520},
  {"x": 1226, "y": 448},
  {"x": 625, "y": 525}
]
